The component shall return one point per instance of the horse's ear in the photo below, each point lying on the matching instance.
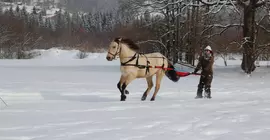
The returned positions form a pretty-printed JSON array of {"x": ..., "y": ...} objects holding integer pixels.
[{"x": 120, "y": 39}]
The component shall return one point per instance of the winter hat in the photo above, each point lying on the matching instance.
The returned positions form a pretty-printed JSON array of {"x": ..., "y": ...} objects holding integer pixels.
[{"x": 208, "y": 48}]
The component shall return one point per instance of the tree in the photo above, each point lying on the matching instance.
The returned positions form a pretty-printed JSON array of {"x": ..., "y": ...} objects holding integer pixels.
[
  {"x": 250, "y": 25},
  {"x": 249, "y": 33}
]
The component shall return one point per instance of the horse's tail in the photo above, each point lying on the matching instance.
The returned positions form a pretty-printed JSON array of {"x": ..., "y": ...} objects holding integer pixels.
[{"x": 171, "y": 74}]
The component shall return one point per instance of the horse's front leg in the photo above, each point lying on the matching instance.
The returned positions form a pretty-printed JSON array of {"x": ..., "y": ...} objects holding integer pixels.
[{"x": 120, "y": 86}]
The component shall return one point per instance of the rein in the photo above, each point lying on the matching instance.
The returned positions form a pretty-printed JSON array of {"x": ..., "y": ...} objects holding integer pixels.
[
  {"x": 147, "y": 66},
  {"x": 181, "y": 74}
]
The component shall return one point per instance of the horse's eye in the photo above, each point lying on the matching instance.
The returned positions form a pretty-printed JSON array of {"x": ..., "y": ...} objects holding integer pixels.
[{"x": 114, "y": 47}]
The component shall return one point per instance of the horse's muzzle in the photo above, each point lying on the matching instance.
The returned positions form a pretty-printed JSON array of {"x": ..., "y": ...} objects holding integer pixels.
[{"x": 109, "y": 58}]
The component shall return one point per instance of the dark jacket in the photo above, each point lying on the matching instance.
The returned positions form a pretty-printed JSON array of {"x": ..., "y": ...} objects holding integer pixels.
[{"x": 205, "y": 65}]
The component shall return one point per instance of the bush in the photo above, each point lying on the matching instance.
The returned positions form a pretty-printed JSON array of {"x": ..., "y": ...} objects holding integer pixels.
[
  {"x": 26, "y": 55},
  {"x": 82, "y": 55},
  {"x": 17, "y": 55}
]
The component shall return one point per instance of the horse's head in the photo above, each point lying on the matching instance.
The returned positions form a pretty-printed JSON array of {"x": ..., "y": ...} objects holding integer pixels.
[
  {"x": 114, "y": 49},
  {"x": 122, "y": 47}
]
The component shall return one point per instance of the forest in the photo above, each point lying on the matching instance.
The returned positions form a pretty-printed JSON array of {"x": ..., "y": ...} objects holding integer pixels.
[{"x": 177, "y": 28}]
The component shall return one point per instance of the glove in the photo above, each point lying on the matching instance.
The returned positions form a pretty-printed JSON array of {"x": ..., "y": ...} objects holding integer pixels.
[{"x": 195, "y": 71}]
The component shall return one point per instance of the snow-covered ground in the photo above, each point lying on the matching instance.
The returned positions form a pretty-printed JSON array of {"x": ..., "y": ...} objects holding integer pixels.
[
  {"x": 58, "y": 97},
  {"x": 50, "y": 12}
]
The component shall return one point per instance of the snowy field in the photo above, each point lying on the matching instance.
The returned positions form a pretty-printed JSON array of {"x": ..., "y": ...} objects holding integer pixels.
[{"x": 59, "y": 97}]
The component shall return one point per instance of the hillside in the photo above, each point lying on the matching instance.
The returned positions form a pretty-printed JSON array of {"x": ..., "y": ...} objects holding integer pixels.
[
  {"x": 50, "y": 10},
  {"x": 70, "y": 5}
]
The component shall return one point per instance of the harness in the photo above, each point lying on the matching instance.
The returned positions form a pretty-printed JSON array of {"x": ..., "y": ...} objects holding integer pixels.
[
  {"x": 147, "y": 66},
  {"x": 137, "y": 57}
]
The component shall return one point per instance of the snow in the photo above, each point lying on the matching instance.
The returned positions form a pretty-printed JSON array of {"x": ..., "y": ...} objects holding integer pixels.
[
  {"x": 57, "y": 96},
  {"x": 149, "y": 9},
  {"x": 50, "y": 12}
]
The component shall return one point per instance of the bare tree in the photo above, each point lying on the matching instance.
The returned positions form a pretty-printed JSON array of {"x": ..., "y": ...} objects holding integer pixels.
[
  {"x": 170, "y": 24},
  {"x": 247, "y": 9},
  {"x": 4, "y": 35}
]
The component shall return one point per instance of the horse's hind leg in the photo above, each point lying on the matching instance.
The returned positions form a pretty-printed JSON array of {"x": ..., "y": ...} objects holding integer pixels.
[
  {"x": 150, "y": 85},
  {"x": 159, "y": 77}
]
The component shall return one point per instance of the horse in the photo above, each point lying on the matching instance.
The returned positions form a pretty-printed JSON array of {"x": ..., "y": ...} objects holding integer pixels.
[{"x": 138, "y": 65}]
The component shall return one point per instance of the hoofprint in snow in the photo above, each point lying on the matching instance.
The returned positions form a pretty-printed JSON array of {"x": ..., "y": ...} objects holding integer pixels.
[{"x": 59, "y": 97}]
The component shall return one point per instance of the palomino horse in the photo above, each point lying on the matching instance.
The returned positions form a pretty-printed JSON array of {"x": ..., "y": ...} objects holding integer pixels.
[{"x": 136, "y": 65}]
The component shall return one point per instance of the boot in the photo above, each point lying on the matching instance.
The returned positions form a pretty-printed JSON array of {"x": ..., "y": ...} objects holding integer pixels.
[
  {"x": 207, "y": 93},
  {"x": 199, "y": 93},
  {"x": 198, "y": 97}
]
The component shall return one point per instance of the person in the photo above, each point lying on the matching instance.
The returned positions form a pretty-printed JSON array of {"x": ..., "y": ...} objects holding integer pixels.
[{"x": 206, "y": 61}]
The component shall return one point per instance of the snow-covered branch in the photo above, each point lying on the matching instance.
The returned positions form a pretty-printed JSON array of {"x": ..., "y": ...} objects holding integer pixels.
[
  {"x": 153, "y": 41},
  {"x": 243, "y": 3},
  {"x": 262, "y": 27},
  {"x": 223, "y": 53},
  {"x": 261, "y": 49},
  {"x": 225, "y": 27},
  {"x": 261, "y": 3}
]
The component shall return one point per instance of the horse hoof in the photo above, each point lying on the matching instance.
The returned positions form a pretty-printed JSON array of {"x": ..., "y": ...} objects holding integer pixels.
[
  {"x": 152, "y": 99},
  {"x": 126, "y": 92},
  {"x": 143, "y": 98},
  {"x": 123, "y": 98}
]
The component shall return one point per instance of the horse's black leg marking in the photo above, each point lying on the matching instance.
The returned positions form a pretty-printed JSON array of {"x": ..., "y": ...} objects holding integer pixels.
[
  {"x": 123, "y": 96},
  {"x": 119, "y": 86},
  {"x": 126, "y": 92},
  {"x": 122, "y": 90},
  {"x": 144, "y": 95}
]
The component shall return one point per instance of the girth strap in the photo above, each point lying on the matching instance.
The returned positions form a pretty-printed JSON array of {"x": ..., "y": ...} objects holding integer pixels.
[{"x": 147, "y": 65}]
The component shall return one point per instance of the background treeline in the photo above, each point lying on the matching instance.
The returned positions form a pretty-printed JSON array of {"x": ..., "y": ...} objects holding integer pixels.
[
  {"x": 177, "y": 28},
  {"x": 23, "y": 31}
]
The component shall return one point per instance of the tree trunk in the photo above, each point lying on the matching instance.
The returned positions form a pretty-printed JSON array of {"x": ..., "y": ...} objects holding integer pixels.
[
  {"x": 168, "y": 36},
  {"x": 174, "y": 31},
  {"x": 178, "y": 40},
  {"x": 249, "y": 32},
  {"x": 190, "y": 20}
]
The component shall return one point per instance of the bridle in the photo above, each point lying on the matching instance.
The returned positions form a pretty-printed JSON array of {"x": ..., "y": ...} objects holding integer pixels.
[{"x": 117, "y": 51}]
